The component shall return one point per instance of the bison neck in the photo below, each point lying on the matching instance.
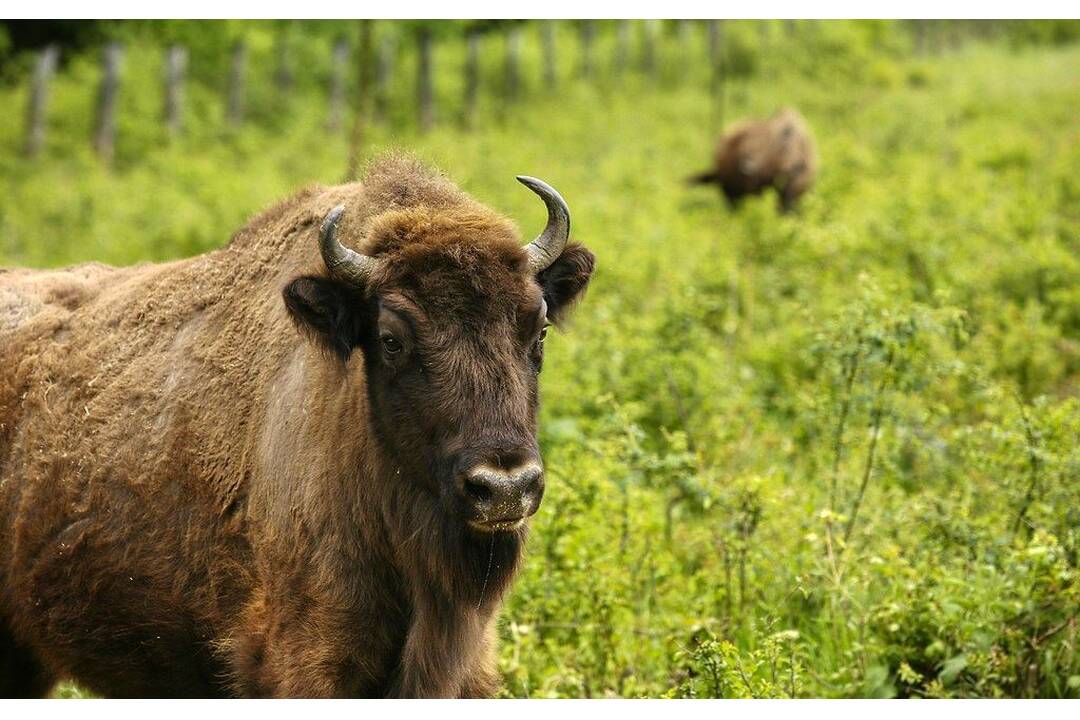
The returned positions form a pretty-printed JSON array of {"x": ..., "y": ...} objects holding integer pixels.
[
  {"x": 454, "y": 580},
  {"x": 366, "y": 539}
]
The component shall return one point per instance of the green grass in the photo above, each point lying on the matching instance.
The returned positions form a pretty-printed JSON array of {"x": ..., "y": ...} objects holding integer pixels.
[{"x": 830, "y": 454}]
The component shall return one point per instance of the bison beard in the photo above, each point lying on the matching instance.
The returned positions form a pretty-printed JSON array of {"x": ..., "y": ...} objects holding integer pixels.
[{"x": 198, "y": 500}]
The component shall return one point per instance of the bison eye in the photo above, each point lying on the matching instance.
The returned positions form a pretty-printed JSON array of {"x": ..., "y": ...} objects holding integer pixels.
[
  {"x": 537, "y": 352},
  {"x": 391, "y": 345}
]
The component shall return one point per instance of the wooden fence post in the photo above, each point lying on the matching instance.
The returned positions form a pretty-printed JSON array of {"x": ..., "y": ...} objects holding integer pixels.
[
  {"x": 363, "y": 93},
  {"x": 622, "y": 49},
  {"x": 37, "y": 110},
  {"x": 338, "y": 62},
  {"x": 649, "y": 31},
  {"x": 384, "y": 72},
  {"x": 687, "y": 35},
  {"x": 283, "y": 73},
  {"x": 955, "y": 39},
  {"x": 237, "y": 73},
  {"x": 587, "y": 33},
  {"x": 472, "y": 77},
  {"x": 684, "y": 30},
  {"x": 105, "y": 122},
  {"x": 176, "y": 61},
  {"x": 716, "y": 65},
  {"x": 547, "y": 39},
  {"x": 513, "y": 63},
  {"x": 424, "y": 91},
  {"x": 937, "y": 36}
]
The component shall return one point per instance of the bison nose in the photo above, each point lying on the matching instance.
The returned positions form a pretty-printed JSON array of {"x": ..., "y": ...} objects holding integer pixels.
[{"x": 502, "y": 499}]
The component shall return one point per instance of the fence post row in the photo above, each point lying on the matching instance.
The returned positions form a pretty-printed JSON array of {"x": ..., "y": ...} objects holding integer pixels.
[
  {"x": 377, "y": 69},
  {"x": 37, "y": 110},
  {"x": 105, "y": 116},
  {"x": 176, "y": 61}
]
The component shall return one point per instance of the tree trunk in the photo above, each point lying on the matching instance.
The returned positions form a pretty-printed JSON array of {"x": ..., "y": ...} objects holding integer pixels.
[
  {"x": 176, "y": 62},
  {"x": 105, "y": 123},
  {"x": 37, "y": 111}
]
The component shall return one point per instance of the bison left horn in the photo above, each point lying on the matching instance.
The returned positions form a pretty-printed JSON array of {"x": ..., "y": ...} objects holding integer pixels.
[
  {"x": 341, "y": 261},
  {"x": 547, "y": 248}
]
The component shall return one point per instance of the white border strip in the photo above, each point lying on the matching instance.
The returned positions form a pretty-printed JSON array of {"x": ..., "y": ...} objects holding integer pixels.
[{"x": 314, "y": 9}]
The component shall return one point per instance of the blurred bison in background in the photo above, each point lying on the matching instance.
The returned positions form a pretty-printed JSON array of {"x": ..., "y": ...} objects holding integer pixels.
[
  {"x": 752, "y": 156},
  {"x": 300, "y": 465}
]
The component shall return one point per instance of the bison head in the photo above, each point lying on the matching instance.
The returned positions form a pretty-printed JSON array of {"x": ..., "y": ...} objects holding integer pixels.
[{"x": 450, "y": 313}]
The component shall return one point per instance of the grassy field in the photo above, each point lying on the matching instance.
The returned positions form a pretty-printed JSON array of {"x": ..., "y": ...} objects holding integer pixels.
[{"x": 828, "y": 454}]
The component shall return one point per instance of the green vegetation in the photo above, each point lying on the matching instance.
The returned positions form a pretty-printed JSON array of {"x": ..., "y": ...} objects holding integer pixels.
[{"x": 829, "y": 454}]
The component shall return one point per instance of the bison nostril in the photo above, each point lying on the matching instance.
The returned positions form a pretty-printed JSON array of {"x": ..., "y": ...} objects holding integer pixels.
[
  {"x": 478, "y": 489},
  {"x": 533, "y": 476}
]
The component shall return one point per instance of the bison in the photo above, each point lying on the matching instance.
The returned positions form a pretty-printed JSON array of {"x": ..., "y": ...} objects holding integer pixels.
[
  {"x": 752, "y": 156},
  {"x": 299, "y": 465}
]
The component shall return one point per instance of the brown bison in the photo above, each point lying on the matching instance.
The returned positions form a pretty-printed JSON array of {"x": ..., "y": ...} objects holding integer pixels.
[
  {"x": 300, "y": 465},
  {"x": 752, "y": 156}
]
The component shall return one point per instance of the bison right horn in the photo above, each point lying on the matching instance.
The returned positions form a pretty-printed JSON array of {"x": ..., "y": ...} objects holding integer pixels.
[
  {"x": 547, "y": 248},
  {"x": 341, "y": 261}
]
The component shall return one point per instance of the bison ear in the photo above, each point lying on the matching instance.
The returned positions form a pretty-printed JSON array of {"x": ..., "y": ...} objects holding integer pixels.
[
  {"x": 329, "y": 311},
  {"x": 565, "y": 279}
]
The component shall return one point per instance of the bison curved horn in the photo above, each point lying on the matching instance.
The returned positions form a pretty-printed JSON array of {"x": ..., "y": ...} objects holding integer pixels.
[
  {"x": 341, "y": 261},
  {"x": 547, "y": 248}
]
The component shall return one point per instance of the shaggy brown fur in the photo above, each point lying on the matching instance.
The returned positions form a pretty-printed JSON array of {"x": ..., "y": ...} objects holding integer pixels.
[
  {"x": 752, "y": 156},
  {"x": 196, "y": 499}
]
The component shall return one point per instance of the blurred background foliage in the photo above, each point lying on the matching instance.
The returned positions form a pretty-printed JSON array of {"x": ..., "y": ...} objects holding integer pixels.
[{"x": 826, "y": 454}]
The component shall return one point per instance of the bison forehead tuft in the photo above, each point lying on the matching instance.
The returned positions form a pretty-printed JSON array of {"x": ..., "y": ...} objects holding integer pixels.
[
  {"x": 454, "y": 259},
  {"x": 453, "y": 232}
]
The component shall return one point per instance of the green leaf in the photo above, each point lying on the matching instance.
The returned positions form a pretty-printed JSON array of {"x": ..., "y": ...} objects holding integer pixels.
[
  {"x": 878, "y": 683},
  {"x": 951, "y": 668}
]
